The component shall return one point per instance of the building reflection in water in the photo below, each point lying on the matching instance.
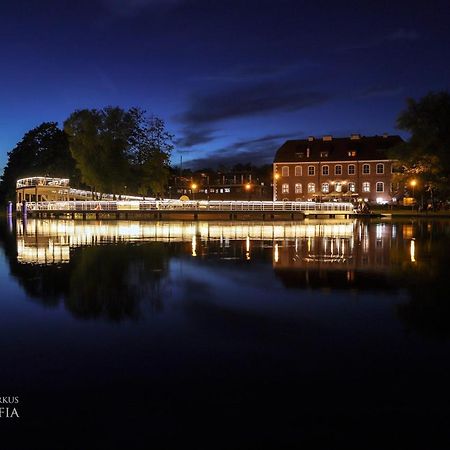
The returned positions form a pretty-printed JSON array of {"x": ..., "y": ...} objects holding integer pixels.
[{"x": 68, "y": 260}]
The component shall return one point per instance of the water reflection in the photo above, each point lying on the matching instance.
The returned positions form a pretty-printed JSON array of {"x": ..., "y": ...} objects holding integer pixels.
[{"x": 111, "y": 269}]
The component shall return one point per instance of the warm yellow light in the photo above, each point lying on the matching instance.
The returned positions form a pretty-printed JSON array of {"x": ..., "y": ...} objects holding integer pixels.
[
  {"x": 412, "y": 250},
  {"x": 413, "y": 183},
  {"x": 193, "y": 186},
  {"x": 277, "y": 176},
  {"x": 247, "y": 186}
]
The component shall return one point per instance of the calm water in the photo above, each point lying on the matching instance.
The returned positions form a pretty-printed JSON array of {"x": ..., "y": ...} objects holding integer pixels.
[{"x": 235, "y": 335}]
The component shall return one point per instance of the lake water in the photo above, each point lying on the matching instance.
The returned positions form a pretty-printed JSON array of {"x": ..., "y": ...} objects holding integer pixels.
[{"x": 225, "y": 334}]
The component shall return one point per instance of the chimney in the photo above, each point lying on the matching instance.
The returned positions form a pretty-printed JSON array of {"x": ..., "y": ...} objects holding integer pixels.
[
  {"x": 355, "y": 136},
  {"x": 327, "y": 137},
  {"x": 310, "y": 138}
]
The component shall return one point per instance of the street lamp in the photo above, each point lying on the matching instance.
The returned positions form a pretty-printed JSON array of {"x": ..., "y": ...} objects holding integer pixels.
[
  {"x": 193, "y": 187},
  {"x": 248, "y": 186},
  {"x": 413, "y": 184}
]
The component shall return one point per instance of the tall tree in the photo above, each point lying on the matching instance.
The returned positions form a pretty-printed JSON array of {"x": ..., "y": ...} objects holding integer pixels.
[
  {"x": 426, "y": 155},
  {"x": 98, "y": 140},
  {"x": 44, "y": 150},
  {"x": 149, "y": 153},
  {"x": 117, "y": 149}
]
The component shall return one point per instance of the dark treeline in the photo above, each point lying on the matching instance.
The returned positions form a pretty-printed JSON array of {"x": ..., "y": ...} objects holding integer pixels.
[{"x": 109, "y": 150}]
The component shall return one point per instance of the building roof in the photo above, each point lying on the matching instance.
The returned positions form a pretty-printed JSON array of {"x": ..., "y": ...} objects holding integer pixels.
[{"x": 337, "y": 149}]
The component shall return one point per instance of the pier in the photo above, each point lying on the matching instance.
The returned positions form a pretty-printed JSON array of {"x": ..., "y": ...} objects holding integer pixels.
[{"x": 185, "y": 210}]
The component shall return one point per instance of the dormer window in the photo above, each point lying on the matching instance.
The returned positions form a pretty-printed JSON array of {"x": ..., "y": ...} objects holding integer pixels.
[
  {"x": 324, "y": 154},
  {"x": 352, "y": 153},
  {"x": 300, "y": 155}
]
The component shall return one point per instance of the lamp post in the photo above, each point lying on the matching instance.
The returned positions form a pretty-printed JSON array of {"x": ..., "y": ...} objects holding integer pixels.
[
  {"x": 193, "y": 188},
  {"x": 413, "y": 185},
  {"x": 248, "y": 187},
  {"x": 274, "y": 188}
]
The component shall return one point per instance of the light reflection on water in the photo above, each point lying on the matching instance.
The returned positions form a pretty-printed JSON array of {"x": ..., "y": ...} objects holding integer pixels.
[{"x": 220, "y": 314}]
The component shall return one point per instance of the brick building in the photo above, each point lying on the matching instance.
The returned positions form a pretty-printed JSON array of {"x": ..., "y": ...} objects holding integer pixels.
[{"x": 331, "y": 168}]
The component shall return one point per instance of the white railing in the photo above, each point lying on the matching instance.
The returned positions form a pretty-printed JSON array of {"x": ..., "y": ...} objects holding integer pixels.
[{"x": 202, "y": 205}]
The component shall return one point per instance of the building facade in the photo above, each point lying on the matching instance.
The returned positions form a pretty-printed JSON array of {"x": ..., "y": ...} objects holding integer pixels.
[{"x": 325, "y": 169}]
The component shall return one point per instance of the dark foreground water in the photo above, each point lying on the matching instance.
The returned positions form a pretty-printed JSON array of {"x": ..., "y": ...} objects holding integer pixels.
[{"x": 322, "y": 334}]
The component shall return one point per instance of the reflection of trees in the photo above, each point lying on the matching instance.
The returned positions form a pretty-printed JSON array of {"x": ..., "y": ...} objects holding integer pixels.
[
  {"x": 110, "y": 281},
  {"x": 428, "y": 310},
  {"x": 106, "y": 281}
]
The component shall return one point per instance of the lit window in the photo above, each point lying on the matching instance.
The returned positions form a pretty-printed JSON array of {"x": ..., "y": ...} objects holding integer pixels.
[
  {"x": 311, "y": 170},
  {"x": 366, "y": 186},
  {"x": 227, "y": 190},
  {"x": 380, "y": 168},
  {"x": 380, "y": 186},
  {"x": 298, "y": 171},
  {"x": 366, "y": 168},
  {"x": 338, "y": 187},
  {"x": 324, "y": 154},
  {"x": 351, "y": 187},
  {"x": 298, "y": 188},
  {"x": 285, "y": 188},
  {"x": 325, "y": 188},
  {"x": 352, "y": 153},
  {"x": 338, "y": 170},
  {"x": 351, "y": 169},
  {"x": 311, "y": 188},
  {"x": 285, "y": 171},
  {"x": 325, "y": 170}
]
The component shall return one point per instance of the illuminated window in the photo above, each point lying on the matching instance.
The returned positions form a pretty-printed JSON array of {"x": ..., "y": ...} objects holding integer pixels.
[
  {"x": 324, "y": 154},
  {"x": 380, "y": 168},
  {"x": 325, "y": 170},
  {"x": 352, "y": 153},
  {"x": 325, "y": 188},
  {"x": 366, "y": 169},
  {"x": 366, "y": 186},
  {"x": 311, "y": 188},
  {"x": 285, "y": 171},
  {"x": 311, "y": 170},
  {"x": 380, "y": 186},
  {"x": 338, "y": 187},
  {"x": 352, "y": 187},
  {"x": 298, "y": 188},
  {"x": 351, "y": 169},
  {"x": 285, "y": 188},
  {"x": 338, "y": 170},
  {"x": 298, "y": 171}
]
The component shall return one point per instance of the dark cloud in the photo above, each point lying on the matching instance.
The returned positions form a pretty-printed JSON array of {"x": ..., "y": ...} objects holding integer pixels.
[
  {"x": 259, "y": 72},
  {"x": 381, "y": 91},
  {"x": 403, "y": 35},
  {"x": 195, "y": 136},
  {"x": 133, "y": 7},
  {"x": 259, "y": 151},
  {"x": 250, "y": 100},
  {"x": 400, "y": 35}
]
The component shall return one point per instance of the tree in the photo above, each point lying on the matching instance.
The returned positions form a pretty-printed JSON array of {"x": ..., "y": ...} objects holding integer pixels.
[
  {"x": 98, "y": 141},
  {"x": 115, "y": 149},
  {"x": 44, "y": 150},
  {"x": 149, "y": 153},
  {"x": 426, "y": 155}
]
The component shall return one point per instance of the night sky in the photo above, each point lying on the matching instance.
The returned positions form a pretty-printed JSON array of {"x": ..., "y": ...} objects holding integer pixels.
[{"x": 233, "y": 79}]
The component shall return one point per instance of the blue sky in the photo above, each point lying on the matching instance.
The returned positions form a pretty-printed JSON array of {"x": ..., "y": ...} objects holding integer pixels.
[{"x": 232, "y": 79}]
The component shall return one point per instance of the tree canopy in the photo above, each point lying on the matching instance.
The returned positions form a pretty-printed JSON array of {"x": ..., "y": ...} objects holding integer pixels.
[
  {"x": 119, "y": 150},
  {"x": 426, "y": 155},
  {"x": 44, "y": 150}
]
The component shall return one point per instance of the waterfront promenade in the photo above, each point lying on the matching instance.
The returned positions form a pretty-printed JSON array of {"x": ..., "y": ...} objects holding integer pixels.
[{"x": 190, "y": 210}]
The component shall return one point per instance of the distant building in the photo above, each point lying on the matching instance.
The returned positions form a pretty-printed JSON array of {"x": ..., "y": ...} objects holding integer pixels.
[
  {"x": 244, "y": 184},
  {"x": 331, "y": 168}
]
